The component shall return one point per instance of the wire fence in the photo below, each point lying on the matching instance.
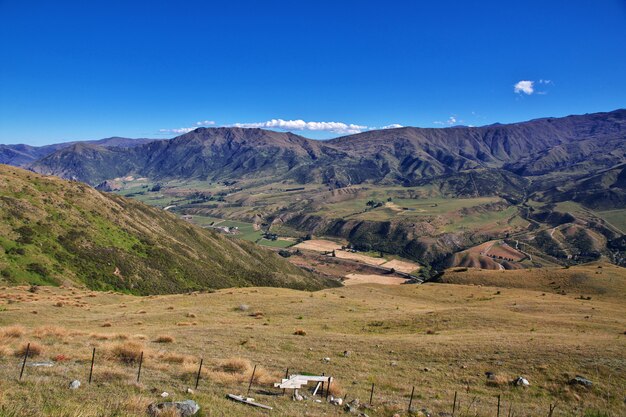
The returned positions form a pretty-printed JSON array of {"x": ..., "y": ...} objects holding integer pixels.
[{"x": 455, "y": 404}]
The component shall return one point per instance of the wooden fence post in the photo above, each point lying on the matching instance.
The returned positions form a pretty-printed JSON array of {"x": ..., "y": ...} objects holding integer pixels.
[
  {"x": 93, "y": 358},
  {"x": 140, "y": 363},
  {"x": 498, "y": 405},
  {"x": 454, "y": 404},
  {"x": 286, "y": 377},
  {"x": 199, "y": 370},
  {"x": 25, "y": 356},
  {"x": 328, "y": 388},
  {"x": 251, "y": 379},
  {"x": 411, "y": 400},
  {"x": 372, "y": 393}
]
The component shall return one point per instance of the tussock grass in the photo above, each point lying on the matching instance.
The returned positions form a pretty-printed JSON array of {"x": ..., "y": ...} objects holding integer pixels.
[
  {"x": 51, "y": 332},
  {"x": 475, "y": 334},
  {"x": 5, "y": 351},
  {"x": 34, "y": 350},
  {"x": 128, "y": 352},
  {"x": 12, "y": 331},
  {"x": 164, "y": 339}
]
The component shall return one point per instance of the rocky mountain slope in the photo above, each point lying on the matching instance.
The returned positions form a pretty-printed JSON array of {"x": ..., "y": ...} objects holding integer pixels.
[
  {"x": 22, "y": 155},
  {"x": 572, "y": 147}
]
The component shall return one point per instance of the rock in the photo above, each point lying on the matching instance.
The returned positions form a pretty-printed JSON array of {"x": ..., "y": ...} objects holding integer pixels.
[
  {"x": 579, "y": 380},
  {"x": 185, "y": 408},
  {"x": 520, "y": 381},
  {"x": 326, "y": 360},
  {"x": 165, "y": 394},
  {"x": 336, "y": 401},
  {"x": 426, "y": 369},
  {"x": 393, "y": 363},
  {"x": 353, "y": 406},
  {"x": 363, "y": 415},
  {"x": 297, "y": 397},
  {"x": 346, "y": 353},
  {"x": 189, "y": 391},
  {"x": 75, "y": 384},
  {"x": 490, "y": 375},
  {"x": 45, "y": 364}
]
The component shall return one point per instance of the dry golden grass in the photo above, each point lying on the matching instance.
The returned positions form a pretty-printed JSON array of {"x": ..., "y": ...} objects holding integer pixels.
[
  {"x": 164, "y": 339},
  {"x": 173, "y": 357},
  {"x": 127, "y": 352},
  {"x": 12, "y": 331},
  {"x": 50, "y": 331},
  {"x": 34, "y": 349},
  {"x": 5, "y": 351},
  {"x": 534, "y": 332}
]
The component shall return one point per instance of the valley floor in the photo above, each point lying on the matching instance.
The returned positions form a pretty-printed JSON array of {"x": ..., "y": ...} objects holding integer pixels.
[{"x": 439, "y": 338}]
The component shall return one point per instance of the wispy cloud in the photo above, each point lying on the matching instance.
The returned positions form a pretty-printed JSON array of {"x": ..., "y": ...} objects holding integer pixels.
[
  {"x": 524, "y": 86},
  {"x": 451, "y": 121},
  {"x": 288, "y": 125},
  {"x": 181, "y": 130}
]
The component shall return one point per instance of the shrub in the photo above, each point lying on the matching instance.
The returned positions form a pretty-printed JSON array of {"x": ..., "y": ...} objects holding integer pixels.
[
  {"x": 50, "y": 331},
  {"x": 35, "y": 349},
  {"x": 234, "y": 366},
  {"x": 128, "y": 352},
  {"x": 12, "y": 331},
  {"x": 164, "y": 339}
]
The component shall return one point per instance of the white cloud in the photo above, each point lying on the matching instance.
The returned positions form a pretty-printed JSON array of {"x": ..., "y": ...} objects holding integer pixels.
[
  {"x": 451, "y": 120},
  {"x": 334, "y": 127},
  {"x": 545, "y": 81},
  {"x": 182, "y": 130},
  {"x": 524, "y": 86},
  {"x": 392, "y": 126}
]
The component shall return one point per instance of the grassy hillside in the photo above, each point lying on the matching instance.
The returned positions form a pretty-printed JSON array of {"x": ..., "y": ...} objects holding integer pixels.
[
  {"x": 54, "y": 231},
  {"x": 438, "y": 338}
]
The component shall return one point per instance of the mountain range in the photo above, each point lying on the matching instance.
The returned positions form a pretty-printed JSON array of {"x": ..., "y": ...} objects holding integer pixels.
[
  {"x": 533, "y": 166},
  {"x": 539, "y": 155}
]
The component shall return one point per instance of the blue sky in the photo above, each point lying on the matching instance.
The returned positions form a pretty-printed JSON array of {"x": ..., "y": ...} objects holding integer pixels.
[{"x": 94, "y": 69}]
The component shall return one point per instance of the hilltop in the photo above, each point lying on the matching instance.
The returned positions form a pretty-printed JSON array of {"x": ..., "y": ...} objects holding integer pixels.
[{"x": 54, "y": 231}]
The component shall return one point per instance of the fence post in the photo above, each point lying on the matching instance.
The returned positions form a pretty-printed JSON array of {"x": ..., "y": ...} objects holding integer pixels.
[
  {"x": 372, "y": 393},
  {"x": 93, "y": 358},
  {"x": 25, "y": 356},
  {"x": 140, "y": 362},
  {"x": 411, "y": 400},
  {"x": 251, "y": 379},
  {"x": 198, "y": 376},
  {"x": 498, "y": 405},
  {"x": 286, "y": 377},
  {"x": 330, "y": 379},
  {"x": 454, "y": 404}
]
